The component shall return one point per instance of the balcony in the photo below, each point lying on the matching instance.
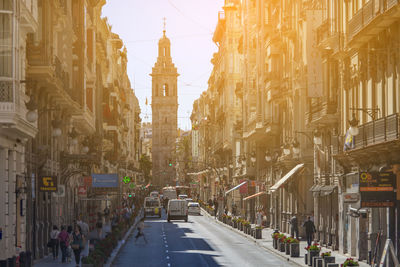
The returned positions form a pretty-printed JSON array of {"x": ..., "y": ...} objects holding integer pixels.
[
  {"x": 324, "y": 112},
  {"x": 328, "y": 37},
  {"x": 371, "y": 19},
  {"x": 379, "y": 131}
]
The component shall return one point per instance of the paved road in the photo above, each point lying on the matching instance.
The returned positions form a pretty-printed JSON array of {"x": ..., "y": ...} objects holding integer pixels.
[{"x": 199, "y": 242}]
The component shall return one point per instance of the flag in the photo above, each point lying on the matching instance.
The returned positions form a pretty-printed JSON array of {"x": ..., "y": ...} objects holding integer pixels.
[{"x": 349, "y": 141}]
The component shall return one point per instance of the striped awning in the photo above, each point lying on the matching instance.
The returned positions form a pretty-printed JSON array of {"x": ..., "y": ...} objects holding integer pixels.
[
  {"x": 236, "y": 187},
  {"x": 255, "y": 195}
]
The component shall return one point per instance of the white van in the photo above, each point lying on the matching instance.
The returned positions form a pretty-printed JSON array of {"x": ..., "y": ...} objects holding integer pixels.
[
  {"x": 177, "y": 209},
  {"x": 152, "y": 207},
  {"x": 154, "y": 194}
]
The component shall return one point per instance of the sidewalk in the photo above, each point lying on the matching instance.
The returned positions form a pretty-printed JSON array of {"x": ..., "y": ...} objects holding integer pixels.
[
  {"x": 266, "y": 243},
  {"x": 49, "y": 262}
]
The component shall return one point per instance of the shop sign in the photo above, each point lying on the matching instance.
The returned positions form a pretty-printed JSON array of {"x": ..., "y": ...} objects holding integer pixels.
[
  {"x": 48, "y": 184},
  {"x": 351, "y": 197},
  {"x": 377, "y": 189},
  {"x": 82, "y": 191},
  {"x": 105, "y": 180}
]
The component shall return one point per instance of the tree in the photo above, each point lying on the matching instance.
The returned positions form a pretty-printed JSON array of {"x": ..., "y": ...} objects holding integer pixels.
[
  {"x": 185, "y": 156},
  {"x": 145, "y": 166}
]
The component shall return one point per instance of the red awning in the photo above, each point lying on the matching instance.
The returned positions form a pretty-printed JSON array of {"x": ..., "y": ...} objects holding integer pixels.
[{"x": 255, "y": 195}]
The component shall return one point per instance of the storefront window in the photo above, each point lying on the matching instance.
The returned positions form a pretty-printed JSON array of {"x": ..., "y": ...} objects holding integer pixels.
[{"x": 6, "y": 41}]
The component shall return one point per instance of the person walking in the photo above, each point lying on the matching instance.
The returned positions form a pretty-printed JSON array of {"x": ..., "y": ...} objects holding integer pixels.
[
  {"x": 77, "y": 243},
  {"x": 310, "y": 230},
  {"x": 63, "y": 238},
  {"x": 54, "y": 242},
  {"x": 294, "y": 227},
  {"x": 259, "y": 217},
  {"x": 215, "y": 207},
  {"x": 140, "y": 232},
  {"x": 69, "y": 249}
]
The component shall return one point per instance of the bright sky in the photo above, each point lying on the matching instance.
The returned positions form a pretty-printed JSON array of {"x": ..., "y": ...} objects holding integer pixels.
[{"x": 190, "y": 24}]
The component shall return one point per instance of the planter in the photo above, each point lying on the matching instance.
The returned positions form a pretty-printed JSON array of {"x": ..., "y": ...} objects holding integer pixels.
[
  {"x": 224, "y": 220},
  {"x": 258, "y": 233},
  {"x": 328, "y": 259},
  {"x": 235, "y": 224},
  {"x": 317, "y": 261},
  {"x": 295, "y": 250},
  {"x": 311, "y": 255},
  {"x": 306, "y": 259},
  {"x": 275, "y": 243},
  {"x": 287, "y": 248},
  {"x": 282, "y": 246},
  {"x": 252, "y": 230}
]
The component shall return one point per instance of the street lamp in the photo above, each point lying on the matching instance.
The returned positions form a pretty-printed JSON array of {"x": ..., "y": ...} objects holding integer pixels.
[
  {"x": 353, "y": 130},
  {"x": 74, "y": 137},
  {"x": 296, "y": 147},
  {"x": 56, "y": 124},
  {"x": 253, "y": 157},
  {"x": 268, "y": 156},
  {"x": 317, "y": 137},
  {"x": 286, "y": 149},
  {"x": 32, "y": 114}
]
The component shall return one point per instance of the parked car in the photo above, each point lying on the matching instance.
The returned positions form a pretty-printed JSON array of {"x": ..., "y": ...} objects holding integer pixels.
[
  {"x": 194, "y": 208},
  {"x": 152, "y": 207},
  {"x": 177, "y": 210}
]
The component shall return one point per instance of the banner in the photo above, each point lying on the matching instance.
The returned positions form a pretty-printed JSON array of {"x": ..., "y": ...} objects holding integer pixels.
[{"x": 314, "y": 58}]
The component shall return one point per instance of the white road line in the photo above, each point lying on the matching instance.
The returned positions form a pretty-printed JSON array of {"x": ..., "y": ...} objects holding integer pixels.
[{"x": 167, "y": 257}]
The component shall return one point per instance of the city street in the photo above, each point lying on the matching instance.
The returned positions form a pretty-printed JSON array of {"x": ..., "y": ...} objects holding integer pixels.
[{"x": 199, "y": 242}]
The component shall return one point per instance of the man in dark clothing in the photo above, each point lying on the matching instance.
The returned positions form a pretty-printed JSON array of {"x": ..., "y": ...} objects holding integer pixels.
[
  {"x": 310, "y": 230},
  {"x": 215, "y": 208},
  {"x": 294, "y": 227}
]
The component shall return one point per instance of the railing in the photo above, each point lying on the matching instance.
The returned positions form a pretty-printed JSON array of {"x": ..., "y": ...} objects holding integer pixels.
[
  {"x": 378, "y": 131},
  {"x": 371, "y": 10},
  {"x": 6, "y": 91}
]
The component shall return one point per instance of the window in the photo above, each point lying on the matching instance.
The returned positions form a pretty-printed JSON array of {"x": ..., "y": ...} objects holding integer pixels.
[
  {"x": 165, "y": 90},
  {"x": 6, "y": 38}
]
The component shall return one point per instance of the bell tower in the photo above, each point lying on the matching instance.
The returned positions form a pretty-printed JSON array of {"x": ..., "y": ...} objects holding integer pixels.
[{"x": 164, "y": 105}]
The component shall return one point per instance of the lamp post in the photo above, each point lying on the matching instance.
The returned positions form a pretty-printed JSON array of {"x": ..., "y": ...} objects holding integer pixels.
[{"x": 353, "y": 130}]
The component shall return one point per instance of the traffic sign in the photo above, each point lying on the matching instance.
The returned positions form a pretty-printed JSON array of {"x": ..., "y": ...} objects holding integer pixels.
[{"x": 48, "y": 184}]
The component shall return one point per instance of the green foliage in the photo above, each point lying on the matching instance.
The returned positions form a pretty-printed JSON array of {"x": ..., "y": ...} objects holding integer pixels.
[{"x": 145, "y": 166}]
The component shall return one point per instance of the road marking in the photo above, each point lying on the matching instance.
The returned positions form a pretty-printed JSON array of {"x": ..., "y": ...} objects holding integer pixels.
[
  {"x": 167, "y": 257},
  {"x": 166, "y": 251},
  {"x": 169, "y": 265},
  {"x": 166, "y": 246}
]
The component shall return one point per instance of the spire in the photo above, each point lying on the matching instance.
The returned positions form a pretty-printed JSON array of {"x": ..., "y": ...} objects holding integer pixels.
[{"x": 165, "y": 25}]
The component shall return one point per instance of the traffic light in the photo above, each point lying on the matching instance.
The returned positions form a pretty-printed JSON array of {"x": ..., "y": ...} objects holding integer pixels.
[
  {"x": 130, "y": 195},
  {"x": 170, "y": 163}
]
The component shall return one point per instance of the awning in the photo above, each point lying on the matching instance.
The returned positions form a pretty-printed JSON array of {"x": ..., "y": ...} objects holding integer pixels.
[
  {"x": 285, "y": 178},
  {"x": 236, "y": 187},
  {"x": 147, "y": 186},
  {"x": 197, "y": 173},
  {"x": 255, "y": 195}
]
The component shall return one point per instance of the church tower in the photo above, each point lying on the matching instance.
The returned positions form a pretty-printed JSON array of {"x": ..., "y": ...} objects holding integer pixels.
[{"x": 164, "y": 105}]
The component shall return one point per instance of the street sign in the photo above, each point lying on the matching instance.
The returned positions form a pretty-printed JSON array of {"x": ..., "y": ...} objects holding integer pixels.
[
  {"x": 48, "y": 184},
  {"x": 377, "y": 189},
  {"x": 351, "y": 197},
  {"x": 60, "y": 192},
  {"x": 105, "y": 180}
]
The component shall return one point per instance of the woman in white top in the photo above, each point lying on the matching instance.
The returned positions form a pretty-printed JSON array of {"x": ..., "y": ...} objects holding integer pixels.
[{"x": 54, "y": 242}]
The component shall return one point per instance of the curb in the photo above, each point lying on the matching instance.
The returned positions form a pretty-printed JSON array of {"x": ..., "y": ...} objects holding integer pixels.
[
  {"x": 258, "y": 243},
  {"x": 121, "y": 244}
]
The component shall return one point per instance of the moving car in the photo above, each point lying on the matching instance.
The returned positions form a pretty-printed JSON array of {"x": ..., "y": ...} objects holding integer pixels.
[
  {"x": 194, "y": 208},
  {"x": 152, "y": 207},
  {"x": 154, "y": 194},
  {"x": 188, "y": 200},
  {"x": 177, "y": 210},
  {"x": 182, "y": 197}
]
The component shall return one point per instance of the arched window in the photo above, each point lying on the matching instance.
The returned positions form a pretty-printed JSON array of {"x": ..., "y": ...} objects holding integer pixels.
[
  {"x": 165, "y": 51},
  {"x": 165, "y": 90}
]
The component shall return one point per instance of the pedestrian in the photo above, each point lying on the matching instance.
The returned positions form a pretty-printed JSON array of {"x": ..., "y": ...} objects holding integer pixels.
[
  {"x": 310, "y": 230},
  {"x": 69, "y": 249},
  {"x": 63, "y": 237},
  {"x": 259, "y": 217},
  {"x": 294, "y": 227},
  {"x": 215, "y": 207},
  {"x": 140, "y": 232},
  {"x": 77, "y": 243},
  {"x": 54, "y": 241},
  {"x": 96, "y": 235}
]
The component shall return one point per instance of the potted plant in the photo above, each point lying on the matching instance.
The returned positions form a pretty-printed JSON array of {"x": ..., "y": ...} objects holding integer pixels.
[
  {"x": 350, "y": 262},
  {"x": 287, "y": 245},
  {"x": 224, "y": 217},
  {"x": 275, "y": 237},
  {"x": 235, "y": 223},
  {"x": 229, "y": 220},
  {"x": 87, "y": 261},
  {"x": 294, "y": 247},
  {"x": 282, "y": 238},
  {"x": 327, "y": 258},
  {"x": 246, "y": 226},
  {"x": 312, "y": 251},
  {"x": 258, "y": 233}
]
